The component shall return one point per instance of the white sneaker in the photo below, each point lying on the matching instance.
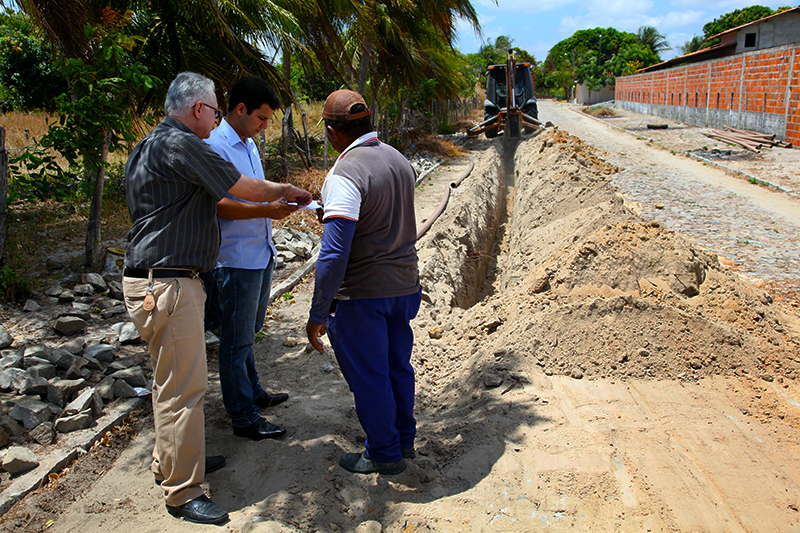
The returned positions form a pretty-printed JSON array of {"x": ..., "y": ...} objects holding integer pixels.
[{"x": 212, "y": 341}]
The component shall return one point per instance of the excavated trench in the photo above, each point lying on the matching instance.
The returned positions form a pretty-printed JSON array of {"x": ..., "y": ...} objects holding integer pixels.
[{"x": 537, "y": 255}]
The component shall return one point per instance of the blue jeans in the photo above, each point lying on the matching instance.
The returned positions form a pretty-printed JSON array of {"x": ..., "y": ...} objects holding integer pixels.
[
  {"x": 372, "y": 340},
  {"x": 243, "y": 296}
]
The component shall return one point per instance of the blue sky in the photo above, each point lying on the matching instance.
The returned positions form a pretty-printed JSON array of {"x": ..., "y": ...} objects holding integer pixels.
[{"x": 536, "y": 26}]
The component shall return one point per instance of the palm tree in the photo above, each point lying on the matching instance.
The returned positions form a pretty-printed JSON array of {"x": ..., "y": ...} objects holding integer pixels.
[
  {"x": 692, "y": 45},
  {"x": 653, "y": 39}
]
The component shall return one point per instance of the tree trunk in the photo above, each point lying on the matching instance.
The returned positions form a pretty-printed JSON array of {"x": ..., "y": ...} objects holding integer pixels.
[
  {"x": 363, "y": 68},
  {"x": 91, "y": 252},
  {"x": 3, "y": 192}
]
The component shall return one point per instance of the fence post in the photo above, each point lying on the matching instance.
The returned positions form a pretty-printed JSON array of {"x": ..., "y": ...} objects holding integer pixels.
[
  {"x": 3, "y": 192},
  {"x": 305, "y": 134}
]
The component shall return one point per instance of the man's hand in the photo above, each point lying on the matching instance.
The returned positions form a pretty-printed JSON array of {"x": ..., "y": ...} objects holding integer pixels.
[
  {"x": 298, "y": 196},
  {"x": 279, "y": 209},
  {"x": 314, "y": 331}
]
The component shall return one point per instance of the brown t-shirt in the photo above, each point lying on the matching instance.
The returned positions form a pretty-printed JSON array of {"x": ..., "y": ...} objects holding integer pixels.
[{"x": 383, "y": 257}]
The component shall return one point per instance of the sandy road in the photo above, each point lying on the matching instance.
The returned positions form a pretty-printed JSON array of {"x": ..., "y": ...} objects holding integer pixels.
[
  {"x": 556, "y": 454},
  {"x": 756, "y": 228}
]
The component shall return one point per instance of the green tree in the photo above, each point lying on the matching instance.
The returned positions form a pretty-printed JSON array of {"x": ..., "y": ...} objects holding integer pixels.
[
  {"x": 96, "y": 114},
  {"x": 735, "y": 18},
  {"x": 26, "y": 73},
  {"x": 692, "y": 45},
  {"x": 653, "y": 39}
]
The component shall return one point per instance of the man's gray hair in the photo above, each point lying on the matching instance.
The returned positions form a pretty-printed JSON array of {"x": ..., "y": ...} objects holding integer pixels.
[{"x": 184, "y": 92}]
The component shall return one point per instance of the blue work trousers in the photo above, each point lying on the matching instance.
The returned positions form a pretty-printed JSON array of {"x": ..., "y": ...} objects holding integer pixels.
[
  {"x": 243, "y": 297},
  {"x": 372, "y": 339}
]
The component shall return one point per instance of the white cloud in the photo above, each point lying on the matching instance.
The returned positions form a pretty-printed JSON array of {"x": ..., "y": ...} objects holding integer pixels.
[{"x": 678, "y": 19}]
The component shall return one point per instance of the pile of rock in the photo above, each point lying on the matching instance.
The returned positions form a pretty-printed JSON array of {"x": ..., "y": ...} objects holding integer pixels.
[
  {"x": 79, "y": 363},
  {"x": 293, "y": 245},
  {"x": 423, "y": 162},
  {"x": 73, "y": 350}
]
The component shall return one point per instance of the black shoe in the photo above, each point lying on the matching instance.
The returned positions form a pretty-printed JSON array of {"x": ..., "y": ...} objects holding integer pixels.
[
  {"x": 359, "y": 463},
  {"x": 201, "y": 510},
  {"x": 259, "y": 430},
  {"x": 270, "y": 400},
  {"x": 408, "y": 453},
  {"x": 213, "y": 463}
]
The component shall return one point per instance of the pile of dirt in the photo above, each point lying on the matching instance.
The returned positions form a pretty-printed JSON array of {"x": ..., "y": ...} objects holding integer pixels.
[{"x": 578, "y": 285}]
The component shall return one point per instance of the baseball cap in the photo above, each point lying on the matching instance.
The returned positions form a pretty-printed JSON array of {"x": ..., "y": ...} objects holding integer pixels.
[{"x": 338, "y": 106}]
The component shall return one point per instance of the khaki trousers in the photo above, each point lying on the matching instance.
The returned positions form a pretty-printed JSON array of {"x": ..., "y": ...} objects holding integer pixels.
[{"x": 174, "y": 331}]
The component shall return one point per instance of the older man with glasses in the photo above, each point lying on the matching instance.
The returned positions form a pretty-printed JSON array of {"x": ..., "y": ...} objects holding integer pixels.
[{"x": 174, "y": 181}]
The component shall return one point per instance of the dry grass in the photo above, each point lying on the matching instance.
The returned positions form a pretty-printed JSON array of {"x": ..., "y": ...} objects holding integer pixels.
[
  {"x": 22, "y": 129},
  {"x": 34, "y": 229},
  {"x": 599, "y": 111},
  {"x": 437, "y": 146}
]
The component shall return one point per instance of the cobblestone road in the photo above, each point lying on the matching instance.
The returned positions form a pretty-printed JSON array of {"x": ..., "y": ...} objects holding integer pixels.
[{"x": 755, "y": 229}]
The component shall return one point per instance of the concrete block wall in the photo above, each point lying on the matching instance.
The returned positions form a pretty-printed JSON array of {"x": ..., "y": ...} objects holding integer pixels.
[{"x": 758, "y": 91}]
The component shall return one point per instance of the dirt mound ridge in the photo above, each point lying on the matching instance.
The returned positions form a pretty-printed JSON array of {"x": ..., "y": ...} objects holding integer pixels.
[{"x": 576, "y": 284}]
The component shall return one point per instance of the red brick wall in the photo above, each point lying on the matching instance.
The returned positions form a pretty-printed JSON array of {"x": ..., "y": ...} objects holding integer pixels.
[{"x": 763, "y": 86}]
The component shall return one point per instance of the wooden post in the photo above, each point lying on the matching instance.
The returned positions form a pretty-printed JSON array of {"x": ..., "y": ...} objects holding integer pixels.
[
  {"x": 286, "y": 132},
  {"x": 305, "y": 134},
  {"x": 3, "y": 192}
]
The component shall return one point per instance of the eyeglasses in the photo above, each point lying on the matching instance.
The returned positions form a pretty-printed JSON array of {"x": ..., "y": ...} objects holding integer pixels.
[{"x": 217, "y": 112}]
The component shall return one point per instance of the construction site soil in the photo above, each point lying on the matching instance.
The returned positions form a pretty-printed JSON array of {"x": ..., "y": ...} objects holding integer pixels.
[{"x": 579, "y": 368}]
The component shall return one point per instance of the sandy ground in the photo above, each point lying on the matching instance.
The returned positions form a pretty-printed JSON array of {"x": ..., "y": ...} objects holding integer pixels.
[{"x": 579, "y": 368}]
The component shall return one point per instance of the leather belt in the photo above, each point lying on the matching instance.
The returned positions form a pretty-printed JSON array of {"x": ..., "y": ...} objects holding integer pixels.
[{"x": 159, "y": 273}]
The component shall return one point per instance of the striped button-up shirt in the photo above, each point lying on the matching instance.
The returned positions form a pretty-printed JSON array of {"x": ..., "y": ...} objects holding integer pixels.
[{"x": 174, "y": 181}]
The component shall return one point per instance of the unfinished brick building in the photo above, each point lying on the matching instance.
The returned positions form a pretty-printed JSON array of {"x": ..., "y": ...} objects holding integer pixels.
[{"x": 750, "y": 80}]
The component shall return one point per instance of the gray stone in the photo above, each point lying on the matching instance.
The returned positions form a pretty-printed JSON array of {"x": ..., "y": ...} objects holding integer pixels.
[
  {"x": 30, "y": 412},
  {"x": 128, "y": 334},
  {"x": 86, "y": 374},
  {"x": 102, "y": 352},
  {"x": 122, "y": 364},
  {"x": 92, "y": 363},
  {"x": 10, "y": 426},
  {"x": 11, "y": 361},
  {"x": 74, "y": 346},
  {"x": 73, "y": 311},
  {"x": 115, "y": 290},
  {"x": 69, "y": 325},
  {"x": 54, "y": 291},
  {"x": 123, "y": 390},
  {"x": 37, "y": 350},
  {"x": 66, "y": 297},
  {"x": 492, "y": 380},
  {"x": 84, "y": 299},
  {"x": 96, "y": 281},
  {"x": 45, "y": 370},
  {"x": 88, "y": 399},
  {"x": 53, "y": 262},
  {"x": 28, "y": 362},
  {"x": 84, "y": 289},
  {"x": 44, "y": 434},
  {"x": 61, "y": 358},
  {"x": 19, "y": 459},
  {"x": 8, "y": 376},
  {"x": 113, "y": 311},
  {"x": 74, "y": 371},
  {"x": 68, "y": 424},
  {"x": 106, "y": 388},
  {"x": 133, "y": 376},
  {"x": 31, "y": 306},
  {"x": 61, "y": 391},
  {"x": 29, "y": 385}
]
